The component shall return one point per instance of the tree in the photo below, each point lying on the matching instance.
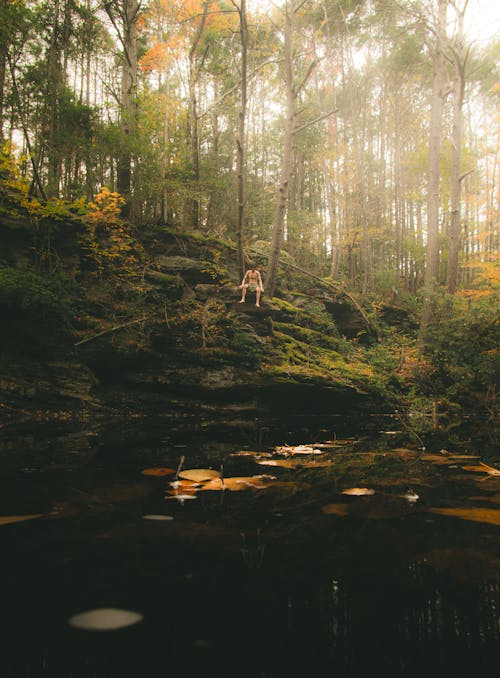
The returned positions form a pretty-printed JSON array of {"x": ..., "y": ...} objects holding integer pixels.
[
  {"x": 124, "y": 15},
  {"x": 459, "y": 56},
  {"x": 241, "y": 170},
  {"x": 433, "y": 181}
]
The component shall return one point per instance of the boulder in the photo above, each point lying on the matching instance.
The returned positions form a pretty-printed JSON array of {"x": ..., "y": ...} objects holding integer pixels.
[{"x": 192, "y": 271}]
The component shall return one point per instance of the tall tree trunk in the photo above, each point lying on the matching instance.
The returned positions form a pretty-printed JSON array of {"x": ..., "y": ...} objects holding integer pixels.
[
  {"x": 124, "y": 14},
  {"x": 241, "y": 169},
  {"x": 3, "y": 67},
  {"x": 192, "y": 131},
  {"x": 54, "y": 77},
  {"x": 287, "y": 154},
  {"x": 437, "y": 104},
  {"x": 460, "y": 55}
]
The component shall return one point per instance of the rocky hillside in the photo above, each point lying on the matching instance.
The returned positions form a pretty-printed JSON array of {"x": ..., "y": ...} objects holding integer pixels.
[{"x": 171, "y": 337}]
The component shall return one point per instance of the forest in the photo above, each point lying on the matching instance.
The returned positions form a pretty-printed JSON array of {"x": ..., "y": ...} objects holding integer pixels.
[
  {"x": 352, "y": 143},
  {"x": 195, "y": 483}
]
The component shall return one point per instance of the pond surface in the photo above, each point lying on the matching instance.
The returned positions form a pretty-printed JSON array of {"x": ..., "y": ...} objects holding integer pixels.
[{"x": 288, "y": 577}]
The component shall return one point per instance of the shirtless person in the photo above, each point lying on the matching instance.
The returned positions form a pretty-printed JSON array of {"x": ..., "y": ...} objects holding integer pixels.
[{"x": 253, "y": 282}]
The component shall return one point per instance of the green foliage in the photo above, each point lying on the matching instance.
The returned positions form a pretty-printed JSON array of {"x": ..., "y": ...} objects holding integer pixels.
[
  {"x": 463, "y": 353},
  {"x": 43, "y": 297}
]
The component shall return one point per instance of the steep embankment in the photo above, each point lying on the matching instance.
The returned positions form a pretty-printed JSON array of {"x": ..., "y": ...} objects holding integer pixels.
[{"x": 171, "y": 338}]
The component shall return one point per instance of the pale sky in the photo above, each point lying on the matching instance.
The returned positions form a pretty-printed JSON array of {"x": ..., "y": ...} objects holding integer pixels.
[{"x": 482, "y": 18}]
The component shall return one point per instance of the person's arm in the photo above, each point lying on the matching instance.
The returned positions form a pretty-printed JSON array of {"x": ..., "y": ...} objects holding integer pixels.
[
  {"x": 260, "y": 283},
  {"x": 244, "y": 278}
]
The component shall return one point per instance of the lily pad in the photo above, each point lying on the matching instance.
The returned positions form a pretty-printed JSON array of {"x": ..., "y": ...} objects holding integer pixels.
[{"x": 104, "y": 619}]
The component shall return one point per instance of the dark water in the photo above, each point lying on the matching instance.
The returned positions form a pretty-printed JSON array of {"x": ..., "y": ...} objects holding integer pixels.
[{"x": 251, "y": 583}]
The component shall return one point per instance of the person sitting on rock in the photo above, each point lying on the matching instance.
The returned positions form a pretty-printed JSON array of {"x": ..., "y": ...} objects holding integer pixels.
[{"x": 253, "y": 282}]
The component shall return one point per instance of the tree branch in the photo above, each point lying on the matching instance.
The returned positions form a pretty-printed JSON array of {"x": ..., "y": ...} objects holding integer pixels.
[
  {"x": 233, "y": 89},
  {"x": 113, "y": 329},
  {"x": 312, "y": 122}
]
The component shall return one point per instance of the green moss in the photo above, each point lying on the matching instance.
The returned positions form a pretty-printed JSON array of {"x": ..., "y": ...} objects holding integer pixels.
[{"x": 308, "y": 335}]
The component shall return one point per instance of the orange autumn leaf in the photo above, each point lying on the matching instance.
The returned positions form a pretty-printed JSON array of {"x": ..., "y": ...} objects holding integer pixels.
[
  {"x": 160, "y": 471},
  {"x": 199, "y": 475},
  {"x": 236, "y": 484}
]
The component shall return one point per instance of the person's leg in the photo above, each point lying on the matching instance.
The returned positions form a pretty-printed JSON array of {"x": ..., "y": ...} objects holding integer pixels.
[
  {"x": 243, "y": 294},
  {"x": 257, "y": 294}
]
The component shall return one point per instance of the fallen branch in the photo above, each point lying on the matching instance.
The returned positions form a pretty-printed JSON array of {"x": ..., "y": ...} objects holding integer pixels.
[{"x": 113, "y": 329}]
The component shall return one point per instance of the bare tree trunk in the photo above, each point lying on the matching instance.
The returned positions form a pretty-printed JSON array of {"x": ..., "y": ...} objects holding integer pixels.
[
  {"x": 241, "y": 170},
  {"x": 286, "y": 160},
  {"x": 166, "y": 125},
  {"x": 460, "y": 60},
  {"x": 124, "y": 14},
  {"x": 192, "y": 131},
  {"x": 54, "y": 69},
  {"x": 3, "y": 71},
  {"x": 437, "y": 103}
]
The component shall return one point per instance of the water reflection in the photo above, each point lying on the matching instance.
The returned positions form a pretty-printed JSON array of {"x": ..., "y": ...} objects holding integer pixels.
[{"x": 257, "y": 583}]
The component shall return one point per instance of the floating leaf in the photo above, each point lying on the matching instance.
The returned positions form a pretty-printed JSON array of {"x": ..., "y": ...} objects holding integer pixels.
[
  {"x": 186, "y": 486},
  {"x": 463, "y": 456},
  {"x": 284, "y": 463},
  {"x": 295, "y": 463},
  {"x": 6, "y": 520},
  {"x": 479, "y": 515},
  {"x": 483, "y": 468},
  {"x": 359, "y": 491},
  {"x": 335, "y": 509},
  {"x": 248, "y": 453},
  {"x": 104, "y": 619},
  {"x": 199, "y": 475},
  {"x": 155, "y": 516},
  {"x": 434, "y": 457},
  {"x": 298, "y": 449},
  {"x": 160, "y": 471},
  {"x": 236, "y": 484},
  {"x": 489, "y": 469}
]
